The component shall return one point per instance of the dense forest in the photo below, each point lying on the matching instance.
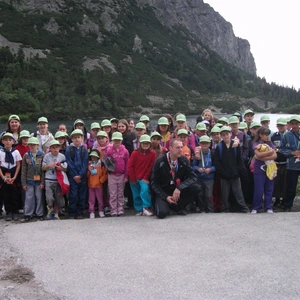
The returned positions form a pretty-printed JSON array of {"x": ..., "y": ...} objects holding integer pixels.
[{"x": 60, "y": 87}]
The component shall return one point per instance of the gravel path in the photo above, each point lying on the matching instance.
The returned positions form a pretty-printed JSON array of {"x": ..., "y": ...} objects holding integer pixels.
[{"x": 199, "y": 256}]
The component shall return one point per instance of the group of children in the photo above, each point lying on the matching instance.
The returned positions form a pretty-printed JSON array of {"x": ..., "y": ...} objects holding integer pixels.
[{"x": 236, "y": 164}]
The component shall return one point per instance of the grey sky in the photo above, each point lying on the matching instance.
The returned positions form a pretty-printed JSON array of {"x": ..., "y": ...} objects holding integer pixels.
[{"x": 272, "y": 29}]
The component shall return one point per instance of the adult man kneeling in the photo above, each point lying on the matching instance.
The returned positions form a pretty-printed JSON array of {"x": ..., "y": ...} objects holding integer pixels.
[{"x": 173, "y": 182}]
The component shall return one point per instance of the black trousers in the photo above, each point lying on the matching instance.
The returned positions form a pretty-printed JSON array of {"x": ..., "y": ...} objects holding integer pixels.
[
  {"x": 188, "y": 195},
  {"x": 292, "y": 180},
  {"x": 10, "y": 196}
]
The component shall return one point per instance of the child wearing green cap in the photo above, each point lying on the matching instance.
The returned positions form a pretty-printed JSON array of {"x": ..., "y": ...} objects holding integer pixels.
[
  {"x": 139, "y": 169},
  {"x": 33, "y": 181},
  {"x": 97, "y": 176},
  {"x": 10, "y": 161}
]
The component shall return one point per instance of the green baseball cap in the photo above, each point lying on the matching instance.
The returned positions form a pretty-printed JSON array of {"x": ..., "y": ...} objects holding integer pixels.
[
  {"x": 106, "y": 122},
  {"x": 33, "y": 141},
  {"x": 249, "y": 111},
  {"x": 24, "y": 133},
  {"x": 225, "y": 128},
  {"x": 102, "y": 133},
  {"x": 215, "y": 129},
  {"x": 76, "y": 132},
  {"x": 42, "y": 120},
  {"x": 78, "y": 121},
  {"x": 233, "y": 120},
  {"x": 243, "y": 125},
  {"x": 254, "y": 124},
  {"x": 14, "y": 117},
  {"x": 117, "y": 136},
  {"x": 295, "y": 118},
  {"x": 204, "y": 139},
  {"x": 264, "y": 118},
  {"x": 223, "y": 119},
  {"x": 95, "y": 152},
  {"x": 219, "y": 125},
  {"x": 140, "y": 125},
  {"x": 155, "y": 133},
  {"x": 201, "y": 126},
  {"x": 144, "y": 118},
  {"x": 95, "y": 125},
  {"x": 59, "y": 134},
  {"x": 180, "y": 118},
  {"x": 281, "y": 121},
  {"x": 54, "y": 142},
  {"x": 163, "y": 121},
  {"x": 7, "y": 134},
  {"x": 113, "y": 120},
  {"x": 145, "y": 138},
  {"x": 182, "y": 131}
]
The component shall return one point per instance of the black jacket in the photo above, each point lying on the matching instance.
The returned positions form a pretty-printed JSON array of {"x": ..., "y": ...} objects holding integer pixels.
[
  {"x": 231, "y": 164},
  {"x": 161, "y": 177}
]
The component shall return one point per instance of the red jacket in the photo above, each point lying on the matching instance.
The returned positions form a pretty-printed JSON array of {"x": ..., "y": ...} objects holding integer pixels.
[
  {"x": 22, "y": 149},
  {"x": 140, "y": 165}
]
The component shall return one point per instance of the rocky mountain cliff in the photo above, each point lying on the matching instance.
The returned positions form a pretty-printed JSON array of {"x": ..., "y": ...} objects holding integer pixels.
[
  {"x": 94, "y": 58},
  {"x": 208, "y": 25},
  {"x": 196, "y": 16}
]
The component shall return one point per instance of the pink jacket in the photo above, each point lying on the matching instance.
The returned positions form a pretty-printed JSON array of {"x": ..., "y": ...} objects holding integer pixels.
[{"x": 121, "y": 157}]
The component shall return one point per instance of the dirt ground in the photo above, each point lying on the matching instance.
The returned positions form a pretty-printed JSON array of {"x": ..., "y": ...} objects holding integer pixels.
[{"x": 19, "y": 283}]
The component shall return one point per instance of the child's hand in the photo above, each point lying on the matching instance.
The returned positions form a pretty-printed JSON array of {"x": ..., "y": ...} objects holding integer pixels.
[
  {"x": 60, "y": 168},
  {"x": 11, "y": 181},
  {"x": 77, "y": 179},
  {"x": 207, "y": 171},
  {"x": 25, "y": 188},
  {"x": 197, "y": 155},
  {"x": 41, "y": 186},
  {"x": 200, "y": 170},
  {"x": 146, "y": 181},
  {"x": 125, "y": 180}
]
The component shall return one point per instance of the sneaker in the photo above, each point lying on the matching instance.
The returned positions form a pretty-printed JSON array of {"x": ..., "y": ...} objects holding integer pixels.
[
  {"x": 9, "y": 217},
  {"x": 106, "y": 209},
  {"x": 50, "y": 215},
  {"x": 92, "y": 216},
  {"x": 270, "y": 211},
  {"x": 56, "y": 218},
  {"x": 120, "y": 215},
  {"x": 253, "y": 211},
  {"x": 25, "y": 220},
  {"x": 147, "y": 212},
  {"x": 139, "y": 213},
  {"x": 101, "y": 214}
]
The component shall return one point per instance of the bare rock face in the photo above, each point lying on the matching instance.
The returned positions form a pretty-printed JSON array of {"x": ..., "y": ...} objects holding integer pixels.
[
  {"x": 42, "y": 5},
  {"x": 52, "y": 26},
  {"x": 88, "y": 26},
  {"x": 208, "y": 25},
  {"x": 138, "y": 45}
]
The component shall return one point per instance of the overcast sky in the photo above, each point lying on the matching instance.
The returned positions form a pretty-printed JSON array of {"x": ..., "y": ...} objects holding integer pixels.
[{"x": 272, "y": 28}]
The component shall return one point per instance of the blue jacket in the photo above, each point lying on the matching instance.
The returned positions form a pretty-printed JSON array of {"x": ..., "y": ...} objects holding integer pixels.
[
  {"x": 78, "y": 165},
  {"x": 208, "y": 164},
  {"x": 290, "y": 143}
]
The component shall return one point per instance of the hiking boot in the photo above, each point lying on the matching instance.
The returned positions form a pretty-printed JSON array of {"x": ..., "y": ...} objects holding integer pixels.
[{"x": 147, "y": 212}]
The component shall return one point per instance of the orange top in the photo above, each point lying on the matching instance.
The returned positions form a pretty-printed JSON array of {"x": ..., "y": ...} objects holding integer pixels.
[{"x": 97, "y": 180}]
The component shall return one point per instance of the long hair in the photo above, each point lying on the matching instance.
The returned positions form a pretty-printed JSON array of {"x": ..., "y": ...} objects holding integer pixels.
[
  {"x": 262, "y": 130},
  {"x": 123, "y": 121}
]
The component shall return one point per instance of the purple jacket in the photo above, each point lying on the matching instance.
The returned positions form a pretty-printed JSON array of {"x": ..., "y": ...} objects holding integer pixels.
[{"x": 121, "y": 157}]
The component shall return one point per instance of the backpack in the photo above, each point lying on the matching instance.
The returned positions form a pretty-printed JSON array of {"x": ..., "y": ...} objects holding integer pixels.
[{"x": 82, "y": 152}]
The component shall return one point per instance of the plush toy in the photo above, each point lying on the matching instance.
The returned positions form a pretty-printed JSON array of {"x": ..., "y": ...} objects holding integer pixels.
[{"x": 271, "y": 170}]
